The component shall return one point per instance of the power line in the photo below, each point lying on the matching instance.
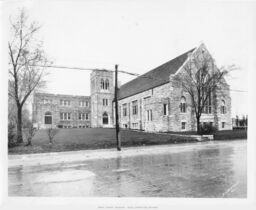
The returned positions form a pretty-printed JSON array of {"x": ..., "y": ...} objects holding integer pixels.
[
  {"x": 239, "y": 90},
  {"x": 66, "y": 67},
  {"x": 103, "y": 69}
]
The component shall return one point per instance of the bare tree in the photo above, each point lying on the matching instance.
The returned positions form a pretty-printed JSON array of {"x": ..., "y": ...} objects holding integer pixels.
[
  {"x": 25, "y": 56},
  {"x": 201, "y": 79},
  {"x": 51, "y": 133}
]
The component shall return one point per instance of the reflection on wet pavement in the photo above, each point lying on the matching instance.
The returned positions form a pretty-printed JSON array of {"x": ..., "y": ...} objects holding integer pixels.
[{"x": 213, "y": 171}]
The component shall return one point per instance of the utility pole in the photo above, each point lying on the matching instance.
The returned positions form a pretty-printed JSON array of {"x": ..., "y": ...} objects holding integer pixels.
[{"x": 118, "y": 142}]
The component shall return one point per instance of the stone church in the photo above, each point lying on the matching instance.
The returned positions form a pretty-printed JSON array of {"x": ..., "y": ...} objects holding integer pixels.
[{"x": 152, "y": 102}]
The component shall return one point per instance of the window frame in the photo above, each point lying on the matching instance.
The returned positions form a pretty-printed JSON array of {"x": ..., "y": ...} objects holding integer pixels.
[
  {"x": 183, "y": 123},
  {"x": 135, "y": 107},
  {"x": 183, "y": 105},
  {"x": 165, "y": 111},
  {"x": 47, "y": 116}
]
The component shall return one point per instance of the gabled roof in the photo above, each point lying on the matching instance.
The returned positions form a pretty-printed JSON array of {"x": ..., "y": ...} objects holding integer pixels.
[{"x": 153, "y": 78}]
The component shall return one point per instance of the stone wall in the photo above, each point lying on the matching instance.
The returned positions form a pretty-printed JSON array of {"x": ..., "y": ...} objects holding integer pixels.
[
  {"x": 152, "y": 99},
  {"x": 171, "y": 93},
  {"x": 97, "y": 96},
  {"x": 40, "y": 107}
]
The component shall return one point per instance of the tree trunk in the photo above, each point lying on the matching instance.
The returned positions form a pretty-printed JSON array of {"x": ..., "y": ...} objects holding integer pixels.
[
  {"x": 19, "y": 125},
  {"x": 198, "y": 125},
  {"x": 29, "y": 142}
]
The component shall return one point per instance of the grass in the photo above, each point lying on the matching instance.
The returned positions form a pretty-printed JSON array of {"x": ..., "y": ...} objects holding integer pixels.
[
  {"x": 230, "y": 135},
  {"x": 93, "y": 138},
  {"x": 100, "y": 138}
]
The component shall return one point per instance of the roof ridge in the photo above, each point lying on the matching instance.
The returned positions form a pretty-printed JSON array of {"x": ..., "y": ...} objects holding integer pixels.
[{"x": 152, "y": 70}]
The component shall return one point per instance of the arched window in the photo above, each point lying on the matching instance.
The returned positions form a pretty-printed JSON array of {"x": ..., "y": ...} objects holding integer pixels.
[
  {"x": 106, "y": 84},
  {"x": 183, "y": 104},
  {"x": 223, "y": 107},
  {"x": 48, "y": 118},
  {"x": 105, "y": 118},
  {"x": 102, "y": 84}
]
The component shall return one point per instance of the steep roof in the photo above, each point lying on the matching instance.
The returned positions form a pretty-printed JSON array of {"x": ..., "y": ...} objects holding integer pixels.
[{"x": 153, "y": 78}]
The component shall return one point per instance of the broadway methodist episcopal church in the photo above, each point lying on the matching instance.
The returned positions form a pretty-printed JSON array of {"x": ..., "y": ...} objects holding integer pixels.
[{"x": 157, "y": 104}]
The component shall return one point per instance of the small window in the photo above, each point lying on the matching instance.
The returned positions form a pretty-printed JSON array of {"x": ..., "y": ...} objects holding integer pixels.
[
  {"x": 105, "y": 102},
  {"x": 83, "y": 103},
  {"x": 183, "y": 125},
  {"x": 47, "y": 101},
  {"x": 81, "y": 116},
  {"x": 64, "y": 102},
  {"x": 223, "y": 124},
  {"x": 65, "y": 116}
]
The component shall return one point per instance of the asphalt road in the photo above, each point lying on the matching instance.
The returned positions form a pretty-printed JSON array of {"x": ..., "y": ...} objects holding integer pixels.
[{"x": 209, "y": 169}]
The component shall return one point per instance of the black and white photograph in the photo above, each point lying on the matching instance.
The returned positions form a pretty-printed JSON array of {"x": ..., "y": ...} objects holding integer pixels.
[{"x": 128, "y": 104}]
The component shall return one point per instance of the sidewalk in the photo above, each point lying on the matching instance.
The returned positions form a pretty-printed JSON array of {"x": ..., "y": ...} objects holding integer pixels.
[{"x": 85, "y": 155}]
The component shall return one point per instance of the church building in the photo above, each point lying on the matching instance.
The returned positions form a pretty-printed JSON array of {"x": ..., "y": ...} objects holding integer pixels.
[{"x": 153, "y": 102}]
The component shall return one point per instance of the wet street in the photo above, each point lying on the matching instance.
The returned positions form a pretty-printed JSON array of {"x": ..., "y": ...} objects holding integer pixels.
[{"x": 207, "y": 169}]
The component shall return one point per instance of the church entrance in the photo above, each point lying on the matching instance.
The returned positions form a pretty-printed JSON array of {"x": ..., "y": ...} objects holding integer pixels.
[{"x": 105, "y": 118}]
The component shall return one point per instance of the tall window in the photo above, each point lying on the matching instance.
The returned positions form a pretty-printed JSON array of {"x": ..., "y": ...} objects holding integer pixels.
[
  {"x": 208, "y": 104},
  {"x": 102, "y": 85},
  {"x": 134, "y": 107},
  {"x": 48, "y": 118},
  {"x": 107, "y": 84},
  {"x": 149, "y": 115},
  {"x": 223, "y": 107},
  {"x": 183, "y": 104},
  {"x": 165, "y": 109},
  {"x": 124, "y": 110},
  {"x": 105, "y": 118}
]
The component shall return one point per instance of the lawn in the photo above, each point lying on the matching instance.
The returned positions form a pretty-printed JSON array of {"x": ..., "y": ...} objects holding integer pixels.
[
  {"x": 94, "y": 138},
  {"x": 230, "y": 135},
  {"x": 99, "y": 138}
]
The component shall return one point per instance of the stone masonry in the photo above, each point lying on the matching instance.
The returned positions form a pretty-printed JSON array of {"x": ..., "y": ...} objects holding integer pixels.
[
  {"x": 152, "y": 104},
  {"x": 57, "y": 107}
]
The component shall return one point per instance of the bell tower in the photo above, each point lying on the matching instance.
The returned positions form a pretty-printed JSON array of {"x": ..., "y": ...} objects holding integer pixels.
[{"x": 102, "y": 95}]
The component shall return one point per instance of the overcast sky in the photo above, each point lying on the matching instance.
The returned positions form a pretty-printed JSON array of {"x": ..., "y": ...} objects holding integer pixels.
[{"x": 139, "y": 36}]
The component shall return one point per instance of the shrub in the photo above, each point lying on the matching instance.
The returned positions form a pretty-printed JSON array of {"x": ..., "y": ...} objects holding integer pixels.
[
  {"x": 11, "y": 135},
  {"x": 29, "y": 133},
  {"x": 207, "y": 129},
  {"x": 51, "y": 133}
]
